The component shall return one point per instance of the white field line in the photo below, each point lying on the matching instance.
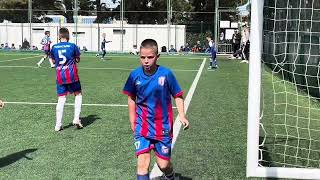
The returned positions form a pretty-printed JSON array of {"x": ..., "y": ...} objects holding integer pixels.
[
  {"x": 67, "y": 104},
  {"x": 93, "y": 68},
  {"x": 177, "y": 124},
  {"x": 17, "y": 59}
]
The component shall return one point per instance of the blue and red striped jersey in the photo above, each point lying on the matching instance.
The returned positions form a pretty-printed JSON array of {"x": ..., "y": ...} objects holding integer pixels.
[
  {"x": 154, "y": 115},
  {"x": 64, "y": 54}
]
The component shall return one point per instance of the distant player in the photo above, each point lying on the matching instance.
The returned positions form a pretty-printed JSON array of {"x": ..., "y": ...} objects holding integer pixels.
[
  {"x": 65, "y": 55},
  {"x": 149, "y": 89},
  {"x": 46, "y": 41},
  {"x": 103, "y": 46},
  {"x": 213, "y": 54}
]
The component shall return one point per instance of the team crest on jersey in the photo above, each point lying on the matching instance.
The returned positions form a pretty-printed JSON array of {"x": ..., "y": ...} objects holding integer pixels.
[
  {"x": 161, "y": 80},
  {"x": 138, "y": 83},
  {"x": 164, "y": 150}
]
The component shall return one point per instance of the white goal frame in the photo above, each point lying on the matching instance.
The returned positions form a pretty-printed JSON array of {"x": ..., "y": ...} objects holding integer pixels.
[{"x": 254, "y": 95}]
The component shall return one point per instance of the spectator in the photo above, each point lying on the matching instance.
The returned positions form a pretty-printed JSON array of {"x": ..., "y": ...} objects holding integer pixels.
[
  {"x": 25, "y": 44},
  {"x": 181, "y": 49},
  {"x": 2, "y": 46},
  {"x": 134, "y": 50},
  {"x": 163, "y": 49},
  {"x": 187, "y": 48},
  {"x": 20, "y": 47},
  {"x": 236, "y": 38},
  {"x": 12, "y": 46},
  {"x": 246, "y": 44},
  {"x": 172, "y": 50},
  {"x": 34, "y": 48},
  {"x": 198, "y": 45},
  {"x": 84, "y": 48},
  {"x": 6, "y": 46},
  {"x": 194, "y": 49}
]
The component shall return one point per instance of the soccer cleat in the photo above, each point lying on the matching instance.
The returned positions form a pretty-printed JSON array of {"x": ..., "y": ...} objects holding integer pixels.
[
  {"x": 210, "y": 67},
  {"x": 77, "y": 123},
  {"x": 38, "y": 65},
  {"x": 58, "y": 128},
  {"x": 1, "y": 104}
]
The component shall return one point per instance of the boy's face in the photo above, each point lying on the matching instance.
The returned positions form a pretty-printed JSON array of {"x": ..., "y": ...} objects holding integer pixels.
[{"x": 148, "y": 58}]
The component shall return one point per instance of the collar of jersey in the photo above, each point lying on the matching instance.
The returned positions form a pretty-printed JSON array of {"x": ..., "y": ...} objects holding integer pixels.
[{"x": 148, "y": 76}]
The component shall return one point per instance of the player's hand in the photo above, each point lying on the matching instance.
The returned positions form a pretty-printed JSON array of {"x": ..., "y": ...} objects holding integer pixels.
[
  {"x": 184, "y": 121},
  {"x": 132, "y": 127}
]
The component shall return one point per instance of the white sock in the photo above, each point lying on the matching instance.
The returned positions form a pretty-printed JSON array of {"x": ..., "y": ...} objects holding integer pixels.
[
  {"x": 41, "y": 60},
  {"x": 59, "y": 110},
  {"x": 77, "y": 107},
  {"x": 51, "y": 63}
]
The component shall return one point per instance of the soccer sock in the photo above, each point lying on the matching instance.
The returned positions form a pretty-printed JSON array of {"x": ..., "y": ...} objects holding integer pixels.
[
  {"x": 41, "y": 60},
  {"x": 143, "y": 177},
  {"x": 104, "y": 53},
  {"x": 210, "y": 62},
  {"x": 170, "y": 175},
  {"x": 59, "y": 110},
  {"x": 77, "y": 106},
  {"x": 51, "y": 63}
]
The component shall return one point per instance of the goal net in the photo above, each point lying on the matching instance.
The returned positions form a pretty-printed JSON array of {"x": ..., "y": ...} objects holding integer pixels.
[{"x": 287, "y": 131}]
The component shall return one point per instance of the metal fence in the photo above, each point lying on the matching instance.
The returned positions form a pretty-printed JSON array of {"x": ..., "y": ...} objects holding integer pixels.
[{"x": 174, "y": 24}]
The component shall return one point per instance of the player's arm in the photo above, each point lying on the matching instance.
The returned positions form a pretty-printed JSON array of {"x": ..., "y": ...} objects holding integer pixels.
[
  {"x": 132, "y": 110},
  {"x": 182, "y": 116},
  {"x": 77, "y": 54}
]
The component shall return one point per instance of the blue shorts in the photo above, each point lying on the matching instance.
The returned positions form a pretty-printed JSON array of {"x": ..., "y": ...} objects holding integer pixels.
[
  {"x": 64, "y": 89},
  {"x": 161, "y": 148},
  {"x": 47, "y": 52}
]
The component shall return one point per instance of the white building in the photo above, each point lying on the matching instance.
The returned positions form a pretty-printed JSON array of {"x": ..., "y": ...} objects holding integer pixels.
[{"x": 89, "y": 35}]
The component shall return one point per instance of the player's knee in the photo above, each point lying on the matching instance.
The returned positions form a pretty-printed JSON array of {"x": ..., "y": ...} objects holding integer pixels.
[
  {"x": 164, "y": 166},
  {"x": 143, "y": 167},
  {"x": 143, "y": 163}
]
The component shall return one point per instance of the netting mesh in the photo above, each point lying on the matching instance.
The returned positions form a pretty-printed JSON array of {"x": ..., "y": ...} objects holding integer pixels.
[{"x": 290, "y": 83}]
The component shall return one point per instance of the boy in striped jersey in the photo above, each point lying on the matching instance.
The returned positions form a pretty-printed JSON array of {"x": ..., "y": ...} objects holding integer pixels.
[
  {"x": 66, "y": 55},
  {"x": 149, "y": 89},
  {"x": 46, "y": 41}
]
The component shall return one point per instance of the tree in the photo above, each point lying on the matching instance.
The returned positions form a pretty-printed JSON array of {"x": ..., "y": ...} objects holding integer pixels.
[{"x": 8, "y": 12}]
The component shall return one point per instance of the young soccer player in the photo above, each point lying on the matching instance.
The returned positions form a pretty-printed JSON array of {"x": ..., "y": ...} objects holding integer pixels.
[
  {"x": 213, "y": 54},
  {"x": 149, "y": 89},
  {"x": 103, "y": 46},
  {"x": 65, "y": 55},
  {"x": 46, "y": 41}
]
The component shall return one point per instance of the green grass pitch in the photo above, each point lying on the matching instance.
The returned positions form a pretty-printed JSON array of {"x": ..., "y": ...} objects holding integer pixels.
[{"x": 213, "y": 148}]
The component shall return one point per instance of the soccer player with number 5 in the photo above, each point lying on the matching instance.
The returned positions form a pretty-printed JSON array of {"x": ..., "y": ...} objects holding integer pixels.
[{"x": 66, "y": 55}]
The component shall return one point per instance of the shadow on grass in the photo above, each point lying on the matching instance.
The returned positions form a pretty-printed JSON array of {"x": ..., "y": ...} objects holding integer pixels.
[
  {"x": 12, "y": 158},
  {"x": 86, "y": 121}
]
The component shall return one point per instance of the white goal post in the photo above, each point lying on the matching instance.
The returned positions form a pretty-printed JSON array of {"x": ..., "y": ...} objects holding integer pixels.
[{"x": 255, "y": 97}]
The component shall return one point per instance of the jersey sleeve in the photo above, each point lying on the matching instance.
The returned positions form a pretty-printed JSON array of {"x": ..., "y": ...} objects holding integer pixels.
[
  {"x": 129, "y": 88},
  {"x": 76, "y": 52},
  {"x": 174, "y": 86}
]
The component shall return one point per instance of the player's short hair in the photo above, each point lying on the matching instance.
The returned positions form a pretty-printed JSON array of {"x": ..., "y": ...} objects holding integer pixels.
[
  {"x": 150, "y": 43},
  {"x": 64, "y": 33},
  {"x": 47, "y": 32}
]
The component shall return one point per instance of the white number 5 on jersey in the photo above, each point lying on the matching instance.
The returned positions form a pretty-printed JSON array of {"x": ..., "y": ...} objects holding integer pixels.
[{"x": 62, "y": 56}]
